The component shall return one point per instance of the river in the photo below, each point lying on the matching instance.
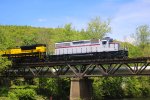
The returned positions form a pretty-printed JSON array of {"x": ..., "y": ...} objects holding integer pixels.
[{"x": 133, "y": 99}]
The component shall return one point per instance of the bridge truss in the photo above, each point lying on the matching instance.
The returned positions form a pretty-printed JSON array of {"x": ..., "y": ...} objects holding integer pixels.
[{"x": 81, "y": 68}]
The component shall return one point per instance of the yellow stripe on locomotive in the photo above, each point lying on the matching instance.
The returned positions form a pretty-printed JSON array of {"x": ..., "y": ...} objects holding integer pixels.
[
  {"x": 10, "y": 51},
  {"x": 37, "y": 50}
]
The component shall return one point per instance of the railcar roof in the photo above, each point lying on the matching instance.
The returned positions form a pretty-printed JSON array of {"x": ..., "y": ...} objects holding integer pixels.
[{"x": 72, "y": 41}]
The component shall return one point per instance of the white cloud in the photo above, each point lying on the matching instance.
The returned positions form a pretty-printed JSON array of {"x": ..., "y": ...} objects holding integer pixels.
[
  {"x": 129, "y": 16},
  {"x": 41, "y": 20},
  {"x": 129, "y": 39},
  {"x": 125, "y": 17}
]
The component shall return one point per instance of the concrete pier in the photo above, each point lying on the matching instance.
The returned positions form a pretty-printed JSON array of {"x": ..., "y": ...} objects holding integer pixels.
[{"x": 81, "y": 89}]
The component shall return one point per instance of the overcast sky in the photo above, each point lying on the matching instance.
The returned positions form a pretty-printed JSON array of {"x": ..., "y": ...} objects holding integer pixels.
[{"x": 125, "y": 15}]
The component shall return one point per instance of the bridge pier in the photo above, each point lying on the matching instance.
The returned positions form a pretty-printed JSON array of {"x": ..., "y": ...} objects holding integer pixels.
[{"x": 81, "y": 88}]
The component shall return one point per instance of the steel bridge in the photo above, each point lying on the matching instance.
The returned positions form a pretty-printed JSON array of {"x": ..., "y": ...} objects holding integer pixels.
[{"x": 79, "y": 70}]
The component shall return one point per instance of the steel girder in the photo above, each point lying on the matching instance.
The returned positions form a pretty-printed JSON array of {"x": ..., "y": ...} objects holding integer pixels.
[{"x": 81, "y": 68}]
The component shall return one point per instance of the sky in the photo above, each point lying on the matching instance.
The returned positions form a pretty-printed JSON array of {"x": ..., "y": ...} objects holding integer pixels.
[{"x": 125, "y": 15}]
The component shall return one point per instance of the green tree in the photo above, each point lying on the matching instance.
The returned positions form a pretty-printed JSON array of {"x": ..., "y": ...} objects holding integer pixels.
[
  {"x": 132, "y": 87},
  {"x": 70, "y": 33},
  {"x": 97, "y": 88},
  {"x": 4, "y": 63},
  {"x": 142, "y": 39},
  {"x": 22, "y": 94},
  {"x": 142, "y": 36},
  {"x": 133, "y": 50},
  {"x": 55, "y": 87},
  {"x": 112, "y": 87},
  {"x": 5, "y": 39},
  {"x": 98, "y": 28}
]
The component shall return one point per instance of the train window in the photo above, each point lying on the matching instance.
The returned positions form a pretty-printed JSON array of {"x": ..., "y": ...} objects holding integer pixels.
[
  {"x": 110, "y": 40},
  {"x": 104, "y": 42}
]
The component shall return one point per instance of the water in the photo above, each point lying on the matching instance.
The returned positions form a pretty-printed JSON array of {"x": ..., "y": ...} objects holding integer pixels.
[{"x": 134, "y": 99}]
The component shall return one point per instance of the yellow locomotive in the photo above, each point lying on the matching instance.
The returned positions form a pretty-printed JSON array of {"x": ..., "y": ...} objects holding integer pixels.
[{"x": 33, "y": 52}]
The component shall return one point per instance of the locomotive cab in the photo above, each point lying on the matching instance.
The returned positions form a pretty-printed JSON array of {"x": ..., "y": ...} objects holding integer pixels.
[{"x": 106, "y": 40}]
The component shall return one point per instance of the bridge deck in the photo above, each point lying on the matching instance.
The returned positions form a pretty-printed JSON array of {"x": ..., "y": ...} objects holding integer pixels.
[
  {"x": 82, "y": 68},
  {"x": 82, "y": 62}
]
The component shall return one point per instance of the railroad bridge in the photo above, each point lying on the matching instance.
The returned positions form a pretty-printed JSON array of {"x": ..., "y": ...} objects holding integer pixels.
[{"x": 80, "y": 70}]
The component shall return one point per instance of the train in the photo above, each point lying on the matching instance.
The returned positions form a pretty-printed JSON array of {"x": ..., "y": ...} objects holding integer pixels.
[
  {"x": 104, "y": 48},
  {"x": 34, "y": 52}
]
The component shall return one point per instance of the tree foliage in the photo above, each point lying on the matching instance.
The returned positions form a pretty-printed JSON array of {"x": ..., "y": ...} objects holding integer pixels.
[
  {"x": 98, "y": 28},
  {"x": 22, "y": 94},
  {"x": 142, "y": 39},
  {"x": 55, "y": 87},
  {"x": 4, "y": 63},
  {"x": 112, "y": 87},
  {"x": 142, "y": 36},
  {"x": 133, "y": 50}
]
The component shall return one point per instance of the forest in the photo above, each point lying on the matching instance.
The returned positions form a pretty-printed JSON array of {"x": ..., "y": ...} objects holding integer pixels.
[{"x": 12, "y": 36}]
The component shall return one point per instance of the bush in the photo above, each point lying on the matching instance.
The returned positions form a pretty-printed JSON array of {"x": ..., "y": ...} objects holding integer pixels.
[
  {"x": 57, "y": 88},
  {"x": 97, "y": 88},
  {"x": 22, "y": 94},
  {"x": 3, "y": 91},
  {"x": 112, "y": 87}
]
